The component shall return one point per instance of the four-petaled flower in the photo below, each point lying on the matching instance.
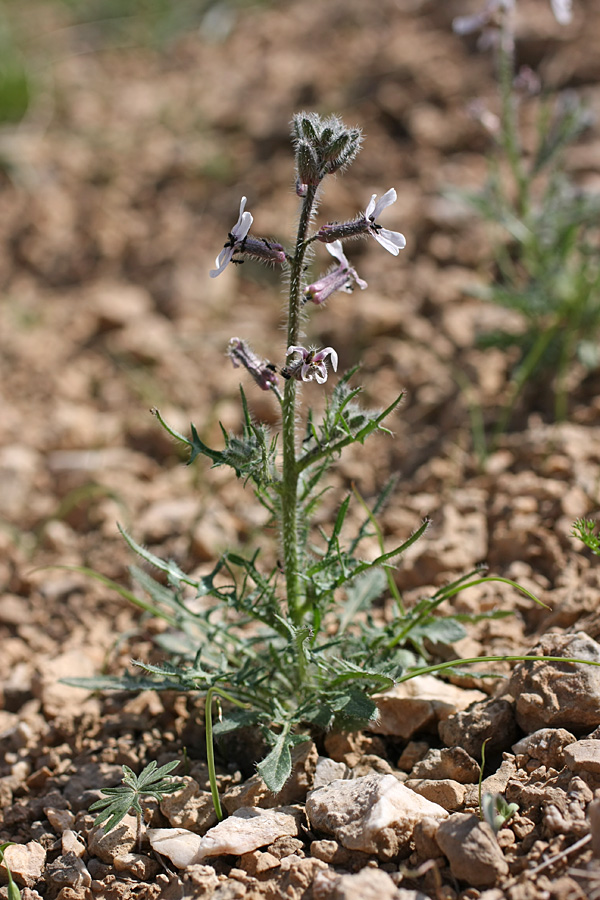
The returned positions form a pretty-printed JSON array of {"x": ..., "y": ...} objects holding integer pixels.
[
  {"x": 311, "y": 364},
  {"x": 341, "y": 278},
  {"x": 393, "y": 241},
  {"x": 237, "y": 236}
]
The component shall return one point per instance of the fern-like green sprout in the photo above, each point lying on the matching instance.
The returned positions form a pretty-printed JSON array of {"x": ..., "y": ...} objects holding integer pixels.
[{"x": 118, "y": 801}]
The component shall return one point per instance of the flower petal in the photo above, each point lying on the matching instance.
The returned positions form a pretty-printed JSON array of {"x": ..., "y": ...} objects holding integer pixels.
[
  {"x": 327, "y": 352},
  {"x": 393, "y": 241},
  {"x": 244, "y": 222},
  {"x": 301, "y": 350},
  {"x": 336, "y": 250},
  {"x": 388, "y": 198},
  {"x": 370, "y": 206},
  {"x": 222, "y": 261}
]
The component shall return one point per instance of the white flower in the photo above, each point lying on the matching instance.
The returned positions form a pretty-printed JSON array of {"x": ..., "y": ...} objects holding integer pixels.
[
  {"x": 393, "y": 241},
  {"x": 563, "y": 11},
  {"x": 311, "y": 364},
  {"x": 237, "y": 236}
]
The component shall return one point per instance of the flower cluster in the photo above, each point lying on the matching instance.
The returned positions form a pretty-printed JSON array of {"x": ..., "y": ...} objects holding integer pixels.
[{"x": 322, "y": 146}]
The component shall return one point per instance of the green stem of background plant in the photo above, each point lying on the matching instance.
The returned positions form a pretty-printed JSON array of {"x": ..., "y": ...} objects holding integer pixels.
[
  {"x": 210, "y": 748},
  {"x": 290, "y": 537},
  {"x": 509, "y": 128}
]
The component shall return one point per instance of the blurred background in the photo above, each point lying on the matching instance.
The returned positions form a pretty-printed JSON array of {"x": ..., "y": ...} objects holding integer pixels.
[{"x": 128, "y": 133}]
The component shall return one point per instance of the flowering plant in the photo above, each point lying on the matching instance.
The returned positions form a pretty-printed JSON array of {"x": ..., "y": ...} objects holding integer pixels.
[{"x": 296, "y": 647}]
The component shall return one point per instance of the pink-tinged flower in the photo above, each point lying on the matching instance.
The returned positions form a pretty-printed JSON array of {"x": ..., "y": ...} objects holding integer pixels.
[
  {"x": 311, "y": 364},
  {"x": 393, "y": 241},
  {"x": 263, "y": 372},
  {"x": 342, "y": 277},
  {"x": 237, "y": 236}
]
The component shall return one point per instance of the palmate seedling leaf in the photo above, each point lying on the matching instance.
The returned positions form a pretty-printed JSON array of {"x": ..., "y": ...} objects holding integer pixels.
[{"x": 118, "y": 801}]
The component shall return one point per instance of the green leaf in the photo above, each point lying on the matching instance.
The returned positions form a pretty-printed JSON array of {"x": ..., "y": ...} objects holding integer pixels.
[
  {"x": 276, "y": 768},
  {"x": 235, "y": 719},
  {"x": 354, "y": 705}
]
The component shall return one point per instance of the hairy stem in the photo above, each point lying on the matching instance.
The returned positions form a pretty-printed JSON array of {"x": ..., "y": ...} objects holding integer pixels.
[{"x": 290, "y": 536}]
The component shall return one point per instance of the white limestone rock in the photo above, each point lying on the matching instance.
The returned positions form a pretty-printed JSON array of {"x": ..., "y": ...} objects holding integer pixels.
[
  {"x": 419, "y": 704},
  {"x": 246, "y": 829},
  {"x": 375, "y": 814}
]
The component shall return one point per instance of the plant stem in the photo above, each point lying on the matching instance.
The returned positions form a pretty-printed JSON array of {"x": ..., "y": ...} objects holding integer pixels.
[
  {"x": 510, "y": 129},
  {"x": 290, "y": 536},
  {"x": 210, "y": 749}
]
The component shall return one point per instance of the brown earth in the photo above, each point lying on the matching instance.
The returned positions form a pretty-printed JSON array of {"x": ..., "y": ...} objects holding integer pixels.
[{"x": 117, "y": 192}]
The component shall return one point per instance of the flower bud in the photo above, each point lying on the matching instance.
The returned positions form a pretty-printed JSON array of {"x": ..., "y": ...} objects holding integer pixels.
[{"x": 307, "y": 164}]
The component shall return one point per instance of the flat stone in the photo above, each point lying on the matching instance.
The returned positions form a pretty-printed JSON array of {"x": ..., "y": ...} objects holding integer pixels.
[
  {"x": 544, "y": 747},
  {"x": 419, "y": 704},
  {"x": 449, "y": 762},
  {"x": 368, "y": 884},
  {"x": 445, "y": 792},
  {"x": 60, "y": 819},
  {"x": 560, "y": 695},
  {"x": 583, "y": 756},
  {"x": 472, "y": 850},
  {"x": 329, "y": 770},
  {"x": 72, "y": 843},
  {"x": 245, "y": 830},
  {"x": 25, "y": 861},
  {"x": 116, "y": 842},
  {"x": 190, "y": 808},
  {"x": 139, "y": 865},
  {"x": 375, "y": 814},
  {"x": 70, "y": 870},
  {"x": 492, "y": 720}
]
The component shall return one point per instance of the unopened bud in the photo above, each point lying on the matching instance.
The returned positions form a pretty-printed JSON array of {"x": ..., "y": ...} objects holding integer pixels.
[{"x": 307, "y": 164}]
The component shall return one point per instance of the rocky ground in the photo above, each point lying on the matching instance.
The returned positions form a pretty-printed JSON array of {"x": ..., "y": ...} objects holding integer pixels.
[{"x": 117, "y": 191}]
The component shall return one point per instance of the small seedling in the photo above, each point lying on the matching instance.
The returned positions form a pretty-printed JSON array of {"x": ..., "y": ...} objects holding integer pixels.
[
  {"x": 496, "y": 811},
  {"x": 151, "y": 782},
  {"x": 13, "y": 892}
]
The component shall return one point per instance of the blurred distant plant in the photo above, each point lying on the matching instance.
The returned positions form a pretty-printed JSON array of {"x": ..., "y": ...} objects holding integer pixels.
[
  {"x": 297, "y": 647},
  {"x": 155, "y": 22},
  {"x": 15, "y": 81},
  {"x": 587, "y": 531},
  {"x": 547, "y": 264}
]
